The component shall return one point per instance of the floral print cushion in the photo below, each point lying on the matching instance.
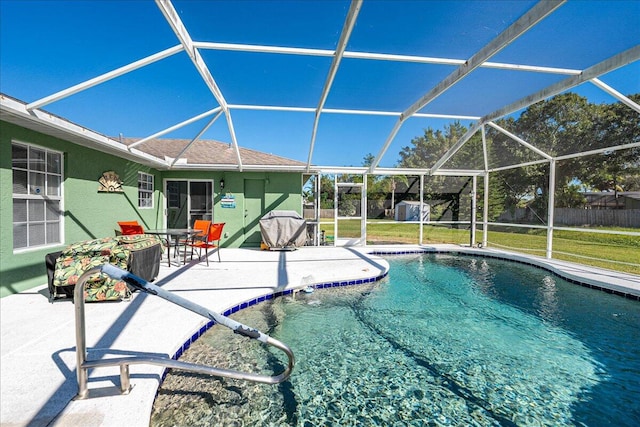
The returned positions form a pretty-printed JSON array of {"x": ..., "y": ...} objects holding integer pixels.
[
  {"x": 137, "y": 241},
  {"x": 99, "y": 287},
  {"x": 82, "y": 256},
  {"x": 99, "y": 246}
]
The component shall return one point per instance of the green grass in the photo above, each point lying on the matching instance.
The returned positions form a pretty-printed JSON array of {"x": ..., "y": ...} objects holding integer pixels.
[{"x": 604, "y": 249}]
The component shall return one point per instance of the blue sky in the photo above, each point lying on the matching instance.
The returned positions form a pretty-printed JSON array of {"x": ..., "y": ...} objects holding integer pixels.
[{"x": 47, "y": 46}]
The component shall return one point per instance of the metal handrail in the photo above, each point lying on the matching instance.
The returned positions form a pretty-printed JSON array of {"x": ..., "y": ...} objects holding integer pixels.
[{"x": 83, "y": 365}]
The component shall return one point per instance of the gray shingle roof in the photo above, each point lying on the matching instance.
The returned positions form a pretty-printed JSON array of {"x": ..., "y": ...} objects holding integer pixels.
[{"x": 208, "y": 152}]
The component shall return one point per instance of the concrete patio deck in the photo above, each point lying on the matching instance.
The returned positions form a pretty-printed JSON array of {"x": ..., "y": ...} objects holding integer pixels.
[
  {"x": 38, "y": 377},
  {"x": 38, "y": 338}
]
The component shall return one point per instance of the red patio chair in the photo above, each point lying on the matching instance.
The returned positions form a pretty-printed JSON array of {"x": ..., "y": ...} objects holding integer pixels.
[{"x": 210, "y": 240}]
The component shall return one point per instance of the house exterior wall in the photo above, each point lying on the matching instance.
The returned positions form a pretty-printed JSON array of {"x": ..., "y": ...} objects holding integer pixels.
[
  {"x": 283, "y": 191},
  {"x": 90, "y": 214}
]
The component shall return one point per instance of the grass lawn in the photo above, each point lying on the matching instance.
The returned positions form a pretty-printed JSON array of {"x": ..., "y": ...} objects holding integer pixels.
[{"x": 567, "y": 245}]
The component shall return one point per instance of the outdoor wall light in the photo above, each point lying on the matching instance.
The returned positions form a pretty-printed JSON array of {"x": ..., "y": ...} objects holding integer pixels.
[{"x": 222, "y": 184}]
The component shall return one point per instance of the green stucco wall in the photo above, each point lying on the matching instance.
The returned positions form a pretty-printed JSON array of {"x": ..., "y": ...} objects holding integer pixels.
[
  {"x": 283, "y": 191},
  {"x": 90, "y": 214}
]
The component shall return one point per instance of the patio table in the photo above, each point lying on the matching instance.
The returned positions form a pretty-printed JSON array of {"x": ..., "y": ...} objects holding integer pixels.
[{"x": 173, "y": 234}]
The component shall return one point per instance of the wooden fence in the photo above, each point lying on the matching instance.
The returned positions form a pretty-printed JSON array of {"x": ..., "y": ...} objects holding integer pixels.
[
  {"x": 324, "y": 213},
  {"x": 628, "y": 218}
]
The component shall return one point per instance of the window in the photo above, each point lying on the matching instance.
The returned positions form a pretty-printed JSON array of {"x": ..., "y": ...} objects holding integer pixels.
[
  {"x": 37, "y": 196},
  {"x": 145, "y": 190}
]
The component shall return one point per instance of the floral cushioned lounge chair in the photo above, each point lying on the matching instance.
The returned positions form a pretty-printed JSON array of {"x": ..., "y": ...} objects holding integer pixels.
[{"x": 82, "y": 256}]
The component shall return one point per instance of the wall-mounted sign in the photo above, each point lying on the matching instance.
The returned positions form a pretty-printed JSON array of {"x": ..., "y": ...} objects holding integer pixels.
[
  {"x": 228, "y": 201},
  {"x": 110, "y": 183}
]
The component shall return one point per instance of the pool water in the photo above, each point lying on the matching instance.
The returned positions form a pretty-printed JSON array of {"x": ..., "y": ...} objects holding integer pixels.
[{"x": 443, "y": 340}]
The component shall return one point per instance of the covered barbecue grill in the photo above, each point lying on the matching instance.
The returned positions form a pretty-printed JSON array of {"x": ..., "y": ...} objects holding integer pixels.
[{"x": 283, "y": 229}]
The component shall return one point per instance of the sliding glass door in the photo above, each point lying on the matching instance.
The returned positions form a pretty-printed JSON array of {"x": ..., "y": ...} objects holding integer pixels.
[{"x": 188, "y": 200}]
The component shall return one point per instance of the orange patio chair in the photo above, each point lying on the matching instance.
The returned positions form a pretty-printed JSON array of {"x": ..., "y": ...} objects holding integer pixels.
[
  {"x": 130, "y": 227},
  {"x": 210, "y": 240},
  {"x": 200, "y": 225}
]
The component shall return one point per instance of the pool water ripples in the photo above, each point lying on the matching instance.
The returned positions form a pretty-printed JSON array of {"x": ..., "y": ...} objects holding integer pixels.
[{"x": 442, "y": 341}]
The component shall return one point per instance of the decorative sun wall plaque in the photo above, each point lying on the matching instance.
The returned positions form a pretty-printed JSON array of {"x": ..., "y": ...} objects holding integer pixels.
[{"x": 110, "y": 183}]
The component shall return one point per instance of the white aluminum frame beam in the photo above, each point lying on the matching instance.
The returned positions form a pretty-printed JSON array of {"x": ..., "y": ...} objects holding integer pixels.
[
  {"x": 620, "y": 97},
  {"x": 171, "y": 15},
  {"x": 619, "y": 60},
  {"x": 485, "y": 183},
  {"x": 204, "y": 129},
  {"x": 536, "y": 14},
  {"x": 233, "y": 167},
  {"x": 485, "y": 211},
  {"x": 474, "y": 212},
  {"x": 105, "y": 77},
  {"x": 176, "y": 126},
  {"x": 551, "y": 203},
  {"x": 527, "y": 21},
  {"x": 356, "y": 170},
  {"x": 347, "y": 111},
  {"x": 458, "y": 172},
  {"x": 271, "y": 108},
  {"x": 454, "y": 149},
  {"x": 421, "y": 219},
  {"x": 519, "y": 165},
  {"x": 598, "y": 151},
  {"x": 485, "y": 152},
  {"x": 349, "y": 23},
  {"x": 249, "y": 48},
  {"x": 519, "y": 140},
  {"x": 565, "y": 157}
]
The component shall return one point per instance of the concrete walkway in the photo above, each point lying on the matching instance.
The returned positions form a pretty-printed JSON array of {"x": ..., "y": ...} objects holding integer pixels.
[{"x": 38, "y": 377}]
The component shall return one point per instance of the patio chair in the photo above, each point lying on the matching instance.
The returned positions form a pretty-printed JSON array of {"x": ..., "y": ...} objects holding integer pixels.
[
  {"x": 128, "y": 228},
  {"x": 210, "y": 240},
  {"x": 201, "y": 225}
]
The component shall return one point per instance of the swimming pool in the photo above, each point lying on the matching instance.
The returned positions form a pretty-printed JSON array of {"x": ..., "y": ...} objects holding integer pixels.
[{"x": 443, "y": 340}]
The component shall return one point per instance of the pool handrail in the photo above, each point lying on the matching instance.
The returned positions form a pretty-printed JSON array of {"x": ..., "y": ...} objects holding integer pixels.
[{"x": 83, "y": 365}]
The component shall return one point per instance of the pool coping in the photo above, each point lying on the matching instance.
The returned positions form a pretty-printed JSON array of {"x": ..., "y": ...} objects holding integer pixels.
[{"x": 622, "y": 284}]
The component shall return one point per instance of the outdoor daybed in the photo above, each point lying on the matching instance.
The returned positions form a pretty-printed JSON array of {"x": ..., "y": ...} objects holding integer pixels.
[{"x": 139, "y": 254}]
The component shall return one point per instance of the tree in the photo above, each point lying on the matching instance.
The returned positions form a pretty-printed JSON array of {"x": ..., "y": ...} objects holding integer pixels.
[
  {"x": 448, "y": 196},
  {"x": 326, "y": 192},
  {"x": 368, "y": 160},
  {"x": 562, "y": 125},
  {"x": 557, "y": 126},
  {"x": 427, "y": 149},
  {"x": 516, "y": 187},
  {"x": 616, "y": 124}
]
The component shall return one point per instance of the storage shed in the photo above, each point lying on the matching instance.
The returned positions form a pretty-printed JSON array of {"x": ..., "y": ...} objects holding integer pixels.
[{"x": 410, "y": 211}]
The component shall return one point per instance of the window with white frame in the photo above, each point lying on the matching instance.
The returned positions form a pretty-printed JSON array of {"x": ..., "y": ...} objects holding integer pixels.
[
  {"x": 37, "y": 196},
  {"x": 145, "y": 190}
]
